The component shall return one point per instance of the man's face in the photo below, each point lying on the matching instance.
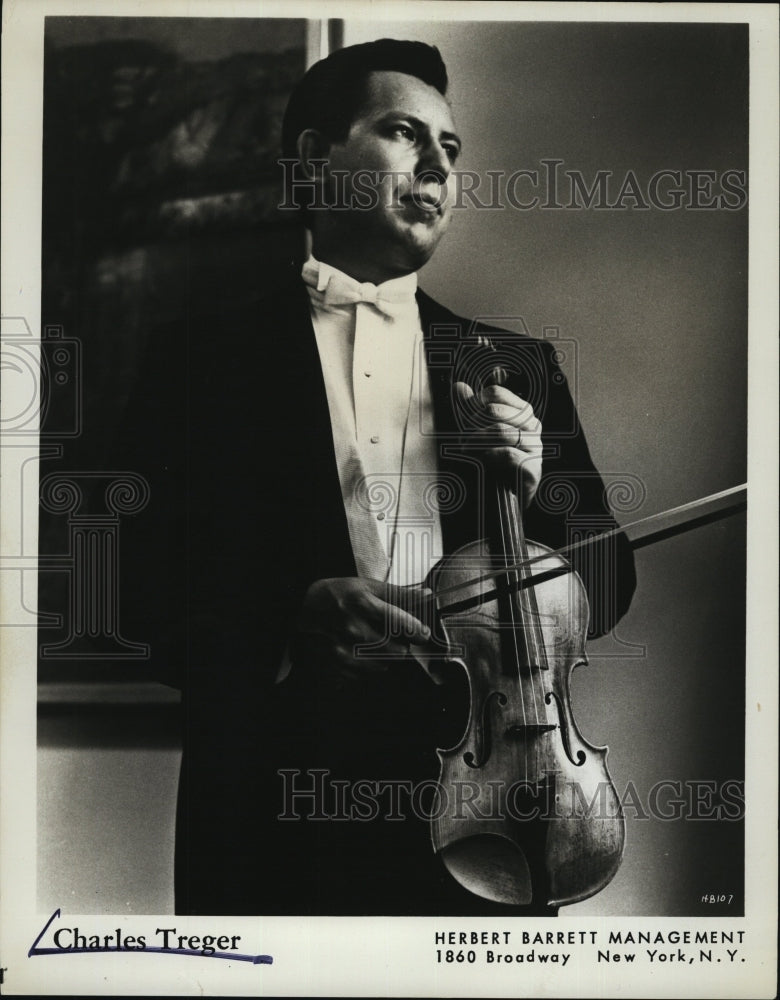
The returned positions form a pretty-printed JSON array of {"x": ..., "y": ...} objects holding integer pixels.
[{"x": 401, "y": 147}]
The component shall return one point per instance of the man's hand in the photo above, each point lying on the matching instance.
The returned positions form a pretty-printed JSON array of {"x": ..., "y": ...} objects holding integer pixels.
[
  {"x": 507, "y": 433},
  {"x": 341, "y": 614}
]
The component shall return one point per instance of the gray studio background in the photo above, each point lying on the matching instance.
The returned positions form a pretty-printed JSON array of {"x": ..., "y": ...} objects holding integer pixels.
[{"x": 651, "y": 308}]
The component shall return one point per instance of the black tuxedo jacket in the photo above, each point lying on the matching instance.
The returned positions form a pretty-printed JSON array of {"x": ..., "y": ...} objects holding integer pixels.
[{"x": 230, "y": 425}]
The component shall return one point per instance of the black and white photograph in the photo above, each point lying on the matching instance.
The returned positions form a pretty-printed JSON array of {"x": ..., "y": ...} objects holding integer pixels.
[{"x": 390, "y": 483}]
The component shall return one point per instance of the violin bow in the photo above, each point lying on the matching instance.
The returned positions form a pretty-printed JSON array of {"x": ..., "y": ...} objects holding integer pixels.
[{"x": 646, "y": 531}]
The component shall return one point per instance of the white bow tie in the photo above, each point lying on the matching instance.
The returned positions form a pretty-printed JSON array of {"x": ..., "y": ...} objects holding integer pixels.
[{"x": 333, "y": 288}]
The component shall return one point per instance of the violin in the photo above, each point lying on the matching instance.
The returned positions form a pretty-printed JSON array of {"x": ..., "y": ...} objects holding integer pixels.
[
  {"x": 514, "y": 830},
  {"x": 527, "y": 812}
]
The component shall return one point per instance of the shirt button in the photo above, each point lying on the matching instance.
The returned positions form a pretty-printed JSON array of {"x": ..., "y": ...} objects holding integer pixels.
[
  {"x": 380, "y": 517},
  {"x": 374, "y": 439}
]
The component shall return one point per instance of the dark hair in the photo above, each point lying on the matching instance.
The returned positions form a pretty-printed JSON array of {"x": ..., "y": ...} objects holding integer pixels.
[{"x": 331, "y": 93}]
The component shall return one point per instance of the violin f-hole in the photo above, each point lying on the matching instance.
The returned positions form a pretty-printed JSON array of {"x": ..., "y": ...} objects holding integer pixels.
[
  {"x": 581, "y": 758},
  {"x": 483, "y": 733}
]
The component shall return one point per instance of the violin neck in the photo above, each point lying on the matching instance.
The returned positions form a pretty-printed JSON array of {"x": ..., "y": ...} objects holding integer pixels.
[
  {"x": 509, "y": 533},
  {"x": 511, "y": 547}
]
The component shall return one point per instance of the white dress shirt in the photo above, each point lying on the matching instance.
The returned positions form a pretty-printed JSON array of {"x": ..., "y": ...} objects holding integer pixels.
[{"x": 381, "y": 415}]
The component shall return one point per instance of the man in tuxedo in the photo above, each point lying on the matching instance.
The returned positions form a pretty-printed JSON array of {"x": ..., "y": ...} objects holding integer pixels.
[{"x": 315, "y": 456}]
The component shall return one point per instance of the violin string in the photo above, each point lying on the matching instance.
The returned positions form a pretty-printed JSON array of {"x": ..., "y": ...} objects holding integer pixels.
[
  {"x": 513, "y": 576},
  {"x": 531, "y": 646},
  {"x": 540, "y": 659},
  {"x": 504, "y": 527},
  {"x": 530, "y": 616}
]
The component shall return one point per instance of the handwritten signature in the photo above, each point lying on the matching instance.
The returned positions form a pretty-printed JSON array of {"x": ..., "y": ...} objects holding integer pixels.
[{"x": 70, "y": 941}]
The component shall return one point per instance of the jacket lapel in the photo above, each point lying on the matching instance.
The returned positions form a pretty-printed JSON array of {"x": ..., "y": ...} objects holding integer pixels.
[
  {"x": 309, "y": 463},
  {"x": 449, "y": 355}
]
